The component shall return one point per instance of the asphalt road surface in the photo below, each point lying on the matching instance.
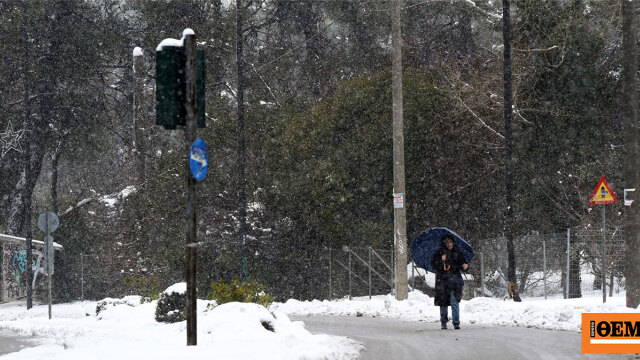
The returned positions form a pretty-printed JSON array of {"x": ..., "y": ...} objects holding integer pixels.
[
  {"x": 10, "y": 342},
  {"x": 398, "y": 340}
]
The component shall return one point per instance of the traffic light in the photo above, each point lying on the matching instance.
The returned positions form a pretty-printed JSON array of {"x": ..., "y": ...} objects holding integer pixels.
[{"x": 171, "y": 87}]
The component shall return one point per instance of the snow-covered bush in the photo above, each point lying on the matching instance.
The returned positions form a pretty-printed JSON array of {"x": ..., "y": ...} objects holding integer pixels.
[
  {"x": 172, "y": 303},
  {"x": 103, "y": 304},
  {"x": 237, "y": 291}
]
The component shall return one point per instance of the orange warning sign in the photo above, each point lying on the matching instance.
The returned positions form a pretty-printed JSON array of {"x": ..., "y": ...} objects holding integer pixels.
[{"x": 602, "y": 194}]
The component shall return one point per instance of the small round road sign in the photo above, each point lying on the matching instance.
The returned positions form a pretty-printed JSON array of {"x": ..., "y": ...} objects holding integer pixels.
[
  {"x": 199, "y": 159},
  {"x": 48, "y": 221}
]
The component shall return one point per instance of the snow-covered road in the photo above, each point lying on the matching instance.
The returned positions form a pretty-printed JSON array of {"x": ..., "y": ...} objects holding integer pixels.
[{"x": 395, "y": 339}]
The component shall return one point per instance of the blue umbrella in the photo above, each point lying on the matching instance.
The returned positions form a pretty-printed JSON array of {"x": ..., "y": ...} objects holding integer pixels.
[{"x": 428, "y": 242}]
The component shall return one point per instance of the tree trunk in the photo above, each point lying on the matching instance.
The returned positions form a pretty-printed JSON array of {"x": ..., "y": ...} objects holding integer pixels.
[
  {"x": 308, "y": 20},
  {"x": 630, "y": 115},
  {"x": 55, "y": 158},
  {"x": 15, "y": 220},
  {"x": 508, "y": 114},
  {"x": 575, "y": 290},
  {"x": 242, "y": 160}
]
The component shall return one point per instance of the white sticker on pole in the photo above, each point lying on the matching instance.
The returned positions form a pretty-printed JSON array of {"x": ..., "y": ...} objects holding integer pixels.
[{"x": 398, "y": 201}]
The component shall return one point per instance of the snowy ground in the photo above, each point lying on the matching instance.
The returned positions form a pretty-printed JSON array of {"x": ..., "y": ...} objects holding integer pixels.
[
  {"x": 229, "y": 331},
  {"x": 234, "y": 330},
  {"x": 557, "y": 314}
]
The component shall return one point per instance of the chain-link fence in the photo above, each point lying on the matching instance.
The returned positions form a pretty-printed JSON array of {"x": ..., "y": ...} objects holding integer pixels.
[
  {"x": 560, "y": 265},
  {"x": 540, "y": 263},
  {"x": 591, "y": 251},
  {"x": 544, "y": 269}
]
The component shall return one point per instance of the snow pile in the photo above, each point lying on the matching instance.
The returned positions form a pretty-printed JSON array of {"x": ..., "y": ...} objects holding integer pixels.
[
  {"x": 127, "y": 329},
  {"x": 175, "y": 42},
  {"x": 556, "y": 314},
  {"x": 178, "y": 288},
  {"x": 123, "y": 331}
]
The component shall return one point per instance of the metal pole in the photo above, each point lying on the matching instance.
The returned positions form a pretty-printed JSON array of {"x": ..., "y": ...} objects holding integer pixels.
[
  {"x": 49, "y": 296},
  {"x": 604, "y": 271},
  {"x": 349, "y": 274},
  {"x": 139, "y": 117},
  {"x": 47, "y": 266},
  {"x": 330, "y": 274},
  {"x": 566, "y": 296},
  {"x": 482, "y": 271},
  {"x": 413, "y": 276},
  {"x": 544, "y": 266},
  {"x": 245, "y": 266},
  {"x": 369, "y": 248},
  {"x": 190, "y": 137}
]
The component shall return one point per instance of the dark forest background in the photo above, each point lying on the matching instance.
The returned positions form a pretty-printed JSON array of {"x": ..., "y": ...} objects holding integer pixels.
[{"x": 318, "y": 128}]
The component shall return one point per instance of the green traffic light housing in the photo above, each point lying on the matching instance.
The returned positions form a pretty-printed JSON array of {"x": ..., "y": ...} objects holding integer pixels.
[{"x": 171, "y": 87}]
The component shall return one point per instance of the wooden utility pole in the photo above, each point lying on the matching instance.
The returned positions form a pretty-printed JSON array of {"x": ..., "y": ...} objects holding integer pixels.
[
  {"x": 508, "y": 111},
  {"x": 190, "y": 137},
  {"x": 631, "y": 161},
  {"x": 242, "y": 158},
  {"x": 399, "y": 208}
]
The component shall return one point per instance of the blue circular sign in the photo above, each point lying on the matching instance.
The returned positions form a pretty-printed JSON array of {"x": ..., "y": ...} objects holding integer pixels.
[{"x": 199, "y": 159}]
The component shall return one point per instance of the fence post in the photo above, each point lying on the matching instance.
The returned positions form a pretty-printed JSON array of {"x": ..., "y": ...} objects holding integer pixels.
[
  {"x": 330, "y": 294},
  {"x": 369, "y": 248},
  {"x": 413, "y": 276},
  {"x": 482, "y": 271},
  {"x": 544, "y": 266},
  {"x": 349, "y": 274},
  {"x": 566, "y": 294},
  {"x": 82, "y": 276}
]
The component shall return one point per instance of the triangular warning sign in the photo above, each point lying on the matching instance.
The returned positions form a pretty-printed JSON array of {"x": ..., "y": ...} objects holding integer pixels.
[{"x": 602, "y": 194}]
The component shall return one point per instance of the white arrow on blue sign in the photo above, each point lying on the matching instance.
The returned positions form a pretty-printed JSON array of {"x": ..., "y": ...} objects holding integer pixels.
[{"x": 199, "y": 159}]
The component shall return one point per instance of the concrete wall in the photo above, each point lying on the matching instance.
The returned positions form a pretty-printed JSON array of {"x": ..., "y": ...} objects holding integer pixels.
[{"x": 13, "y": 266}]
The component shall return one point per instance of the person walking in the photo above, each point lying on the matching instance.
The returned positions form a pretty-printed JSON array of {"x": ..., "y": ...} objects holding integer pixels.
[{"x": 449, "y": 263}]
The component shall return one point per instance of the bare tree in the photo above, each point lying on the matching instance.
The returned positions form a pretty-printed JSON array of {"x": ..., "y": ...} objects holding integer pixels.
[{"x": 508, "y": 114}]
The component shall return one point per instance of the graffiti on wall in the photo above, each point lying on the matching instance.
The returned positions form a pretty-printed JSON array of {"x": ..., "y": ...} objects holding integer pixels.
[{"x": 14, "y": 265}]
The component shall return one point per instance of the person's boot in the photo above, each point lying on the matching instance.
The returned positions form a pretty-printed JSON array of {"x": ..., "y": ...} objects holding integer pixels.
[
  {"x": 444, "y": 326},
  {"x": 456, "y": 326}
]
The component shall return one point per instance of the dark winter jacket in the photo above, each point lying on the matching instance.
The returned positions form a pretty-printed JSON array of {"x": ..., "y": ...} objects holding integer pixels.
[{"x": 449, "y": 279}]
